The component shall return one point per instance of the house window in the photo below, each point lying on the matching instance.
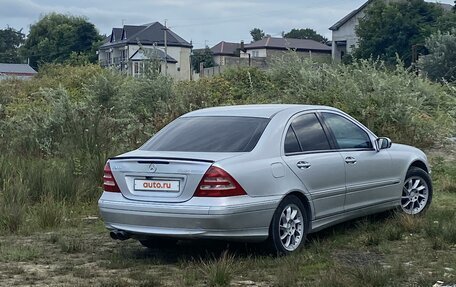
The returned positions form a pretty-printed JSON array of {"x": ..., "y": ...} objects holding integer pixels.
[
  {"x": 109, "y": 58},
  {"x": 124, "y": 55},
  {"x": 137, "y": 69},
  {"x": 255, "y": 54},
  {"x": 123, "y": 59}
]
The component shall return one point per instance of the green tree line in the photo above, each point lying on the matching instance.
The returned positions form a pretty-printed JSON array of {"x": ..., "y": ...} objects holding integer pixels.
[{"x": 55, "y": 38}]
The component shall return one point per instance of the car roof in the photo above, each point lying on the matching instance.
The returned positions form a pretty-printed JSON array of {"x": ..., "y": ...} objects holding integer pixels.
[{"x": 257, "y": 111}]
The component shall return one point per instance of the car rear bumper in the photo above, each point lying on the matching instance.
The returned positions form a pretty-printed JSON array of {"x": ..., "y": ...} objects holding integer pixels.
[{"x": 237, "y": 218}]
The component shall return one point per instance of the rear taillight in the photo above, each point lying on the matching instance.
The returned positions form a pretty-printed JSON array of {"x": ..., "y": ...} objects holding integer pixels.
[
  {"x": 218, "y": 183},
  {"x": 109, "y": 182}
]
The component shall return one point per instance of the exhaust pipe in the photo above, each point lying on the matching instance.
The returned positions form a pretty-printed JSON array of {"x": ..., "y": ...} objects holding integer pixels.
[{"x": 119, "y": 235}]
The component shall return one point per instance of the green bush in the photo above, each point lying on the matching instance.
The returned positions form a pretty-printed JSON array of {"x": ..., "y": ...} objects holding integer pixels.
[
  {"x": 440, "y": 64},
  {"x": 88, "y": 111},
  {"x": 396, "y": 103}
]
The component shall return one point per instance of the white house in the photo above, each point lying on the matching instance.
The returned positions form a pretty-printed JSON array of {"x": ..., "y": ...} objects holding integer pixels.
[
  {"x": 344, "y": 38},
  {"x": 127, "y": 49}
]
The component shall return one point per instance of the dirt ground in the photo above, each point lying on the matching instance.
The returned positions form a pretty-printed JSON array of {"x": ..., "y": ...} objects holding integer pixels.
[{"x": 382, "y": 250}]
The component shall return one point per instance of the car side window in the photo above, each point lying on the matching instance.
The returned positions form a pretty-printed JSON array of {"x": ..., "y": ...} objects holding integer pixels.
[
  {"x": 310, "y": 133},
  {"x": 348, "y": 135},
  {"x": 291, "y": 142}
]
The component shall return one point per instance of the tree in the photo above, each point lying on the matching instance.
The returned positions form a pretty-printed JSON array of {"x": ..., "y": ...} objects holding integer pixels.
[
  {"x": 440, "y": 64},
  {"x": 56, "y": 37},
  {"x": 257, "y": 34},
  {"x": 446, "y": 22},
  {"x": 393, "y": 29},
  {"x": 204, "y": 56},
  {"x": 10, "y": 41},
  {"x": 305, "y": 34}
]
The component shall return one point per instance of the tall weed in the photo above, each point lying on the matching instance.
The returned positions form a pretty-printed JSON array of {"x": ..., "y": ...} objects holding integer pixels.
[
  {"x": 13, "y": 204},
  {"x": 49, "y": 213},
  {"x": 219, "y": 272}
]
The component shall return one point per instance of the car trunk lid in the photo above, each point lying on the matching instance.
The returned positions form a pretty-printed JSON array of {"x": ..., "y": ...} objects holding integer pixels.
[{"x": 159, "y": 176}]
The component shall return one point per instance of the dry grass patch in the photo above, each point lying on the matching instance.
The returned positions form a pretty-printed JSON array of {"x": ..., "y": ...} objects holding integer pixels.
[
  {"x": 219, "y": 272},
  {"x": 411, "y": 224}
]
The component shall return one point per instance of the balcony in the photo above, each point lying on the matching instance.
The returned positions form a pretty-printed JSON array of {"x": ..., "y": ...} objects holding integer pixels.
[{"x": 117, "y": 62}]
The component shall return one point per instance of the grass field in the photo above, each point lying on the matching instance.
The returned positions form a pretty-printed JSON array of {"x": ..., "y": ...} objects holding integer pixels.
[{"x": 384, "y": 250}]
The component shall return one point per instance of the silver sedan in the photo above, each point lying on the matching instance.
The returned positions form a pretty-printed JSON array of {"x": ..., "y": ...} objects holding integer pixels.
[{"x": 259, "y": 172}]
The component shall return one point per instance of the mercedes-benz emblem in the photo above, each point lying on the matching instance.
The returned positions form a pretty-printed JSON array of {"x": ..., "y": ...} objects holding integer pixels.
[{"x": 152, "y": 168}]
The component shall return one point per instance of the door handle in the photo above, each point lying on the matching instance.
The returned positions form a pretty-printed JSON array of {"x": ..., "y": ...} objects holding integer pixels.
[
  {"x": 303, "y": 165},
  {"x": 350, "y": 160}
]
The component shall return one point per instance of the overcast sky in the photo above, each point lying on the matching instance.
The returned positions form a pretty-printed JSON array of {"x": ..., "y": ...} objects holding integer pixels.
[{"x": 202, "y": 21}]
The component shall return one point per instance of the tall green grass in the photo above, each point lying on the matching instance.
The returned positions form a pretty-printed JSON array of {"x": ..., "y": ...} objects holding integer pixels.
[
  {"x": 13, "y": 204},
  {"x": 41, "y": 190}
]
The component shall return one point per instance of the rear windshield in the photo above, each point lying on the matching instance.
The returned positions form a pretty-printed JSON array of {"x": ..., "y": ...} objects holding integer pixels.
[{"x": 209, "y": 134}]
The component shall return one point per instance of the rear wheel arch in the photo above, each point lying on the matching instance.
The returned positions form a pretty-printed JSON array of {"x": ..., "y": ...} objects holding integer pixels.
[
  {"x": 295, "y": 200},
  {"x": 305, "y": 201}
]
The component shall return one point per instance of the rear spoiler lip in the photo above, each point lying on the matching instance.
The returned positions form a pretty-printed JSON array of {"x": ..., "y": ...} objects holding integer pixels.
[{"x": 160, "y": 158}]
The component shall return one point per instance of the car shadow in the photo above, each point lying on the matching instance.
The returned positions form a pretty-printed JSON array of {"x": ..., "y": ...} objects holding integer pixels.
[
  {"x": 202, "y": 250},
  {"x": 351, "y": 226},
  {"x": 197, "y": 250}
]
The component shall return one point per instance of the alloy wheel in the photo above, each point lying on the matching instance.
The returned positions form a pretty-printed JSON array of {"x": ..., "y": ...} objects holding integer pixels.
[
  {"x": 415, "y": 195},
  {"x": 291, "y": 228}
]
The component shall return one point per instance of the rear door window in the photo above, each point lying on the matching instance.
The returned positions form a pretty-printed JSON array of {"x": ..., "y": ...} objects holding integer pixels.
[
  {"x": 209, "y": 134},
  {"x": 310, "y": 133}
]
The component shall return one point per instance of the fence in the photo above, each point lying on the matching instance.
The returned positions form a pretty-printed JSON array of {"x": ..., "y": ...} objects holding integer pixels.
[{"x": 233, "y": 62}]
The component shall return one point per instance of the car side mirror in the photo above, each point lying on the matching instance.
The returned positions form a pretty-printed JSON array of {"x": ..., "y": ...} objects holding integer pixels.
[{"x": 383, "y": 143}]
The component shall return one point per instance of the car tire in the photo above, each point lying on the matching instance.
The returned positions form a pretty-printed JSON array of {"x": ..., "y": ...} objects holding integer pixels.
[
  {"x": 416, "y": 192},
  {"x": 289, "y": 226},
  {"x": 158, "y": 242}
]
